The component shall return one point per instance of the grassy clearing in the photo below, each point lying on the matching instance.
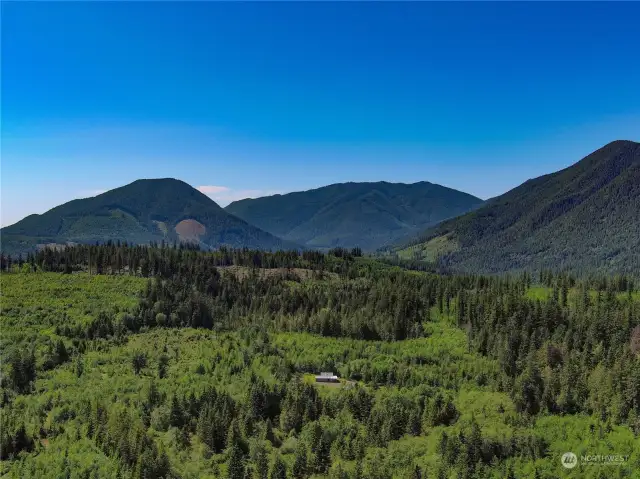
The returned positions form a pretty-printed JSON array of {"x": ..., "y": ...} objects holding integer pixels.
[{"x": 431, "y": 250}]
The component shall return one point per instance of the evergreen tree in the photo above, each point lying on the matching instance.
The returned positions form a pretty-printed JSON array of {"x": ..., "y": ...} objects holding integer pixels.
[
  {"x": 139, "y": 362},
  {"x": 278, "y": 468},
  {"x": 176, "y": 418},
  {"x": 260, "y": 458},
  {"x": 163, "y": 363},
  {"x": 300, "y": 462},
  {"x": 235, "y": 465}
]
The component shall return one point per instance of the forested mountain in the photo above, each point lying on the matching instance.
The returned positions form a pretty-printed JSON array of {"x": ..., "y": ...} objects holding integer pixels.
[
  {"x": 585, "y": 218},
  {"x": 140, "y": 212},
  {"x": 367, "y": 215}
]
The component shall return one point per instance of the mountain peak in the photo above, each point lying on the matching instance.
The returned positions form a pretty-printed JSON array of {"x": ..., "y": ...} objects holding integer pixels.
[
  {"x": 142, "y": 211},
  {"x": 584, "y": 217},
  {"x": 365, "y": 214},
  {"x": 159, "y": 180},
  {"x": 621, "y": 143}
]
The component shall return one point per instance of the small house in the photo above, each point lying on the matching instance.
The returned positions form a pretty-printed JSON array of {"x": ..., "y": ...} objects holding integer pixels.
[{"x": 327, "y": 378}]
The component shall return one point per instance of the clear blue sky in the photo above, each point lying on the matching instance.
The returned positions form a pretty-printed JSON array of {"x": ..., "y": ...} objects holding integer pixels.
[{"x": 254, "y": 98}]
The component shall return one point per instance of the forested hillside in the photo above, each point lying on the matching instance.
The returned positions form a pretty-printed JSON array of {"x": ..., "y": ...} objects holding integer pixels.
[
  {"x": 137, "y": 362},
  {"x": 584, "y": 218},
  {"x": 140, "y": 212},
  {"x": 367, "y": 215}
]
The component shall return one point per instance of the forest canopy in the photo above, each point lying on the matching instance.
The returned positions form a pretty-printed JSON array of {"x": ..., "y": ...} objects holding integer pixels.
[{"x": 169, "y": 362}]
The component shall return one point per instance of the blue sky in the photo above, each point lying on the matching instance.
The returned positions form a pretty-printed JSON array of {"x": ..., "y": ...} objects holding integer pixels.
[{"x": 247, "y": 99}]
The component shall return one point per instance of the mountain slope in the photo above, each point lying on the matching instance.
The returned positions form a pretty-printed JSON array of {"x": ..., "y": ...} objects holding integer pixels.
[
  {"x": 585, "y": 218},
  {"x": 142, "y": 211},
  {"x": 368, "y": 215}
]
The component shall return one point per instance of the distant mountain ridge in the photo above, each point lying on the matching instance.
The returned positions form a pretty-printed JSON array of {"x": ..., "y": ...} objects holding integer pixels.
[
  {"x": 585, "y": 218},
  {"x": 368, "y": 215},
  {"x": 143, "y": 211}
]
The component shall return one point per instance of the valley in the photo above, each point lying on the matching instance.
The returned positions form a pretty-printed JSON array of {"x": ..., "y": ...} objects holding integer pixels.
[{"x": 451, "y": 376}]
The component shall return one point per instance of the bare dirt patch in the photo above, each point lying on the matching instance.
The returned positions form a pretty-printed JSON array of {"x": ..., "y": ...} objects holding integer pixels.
[{"x": 190, "y": 230}]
